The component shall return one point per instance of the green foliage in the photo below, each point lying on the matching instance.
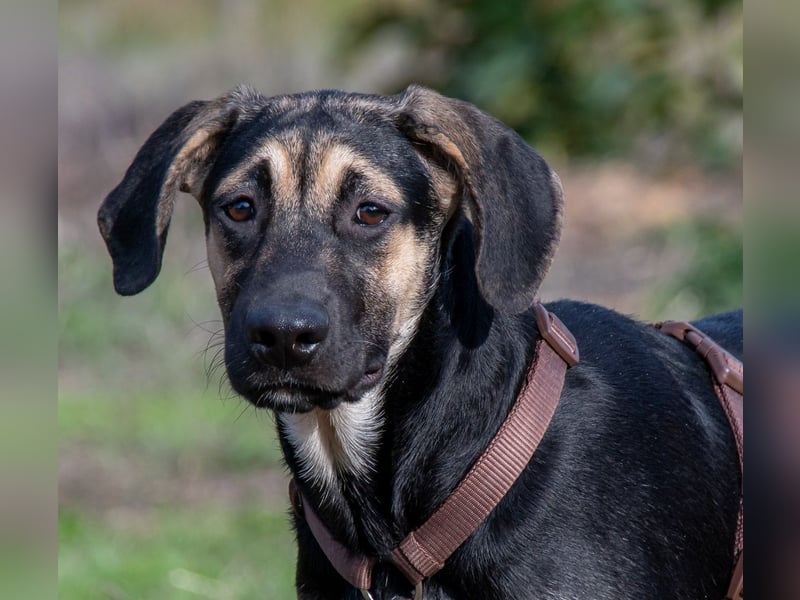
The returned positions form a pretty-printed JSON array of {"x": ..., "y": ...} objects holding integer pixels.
[
  {"x": 584, "y": 77},
  {"x": 774, "y": 269},
  {"x": 711, "y": 280}
]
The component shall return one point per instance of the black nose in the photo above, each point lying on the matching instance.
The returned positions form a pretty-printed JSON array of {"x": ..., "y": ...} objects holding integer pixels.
[{"x": 286, "y": 335}]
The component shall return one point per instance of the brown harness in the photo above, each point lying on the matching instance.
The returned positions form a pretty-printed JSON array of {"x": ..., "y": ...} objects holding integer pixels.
[
  {"x": 424, "y": 551},
  {"x": 728, "y": 374}
]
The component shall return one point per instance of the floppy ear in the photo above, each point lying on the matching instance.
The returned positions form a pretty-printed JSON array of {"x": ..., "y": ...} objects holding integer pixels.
[
  {"x": 134, "y": 217},
  {"x": 512, "y": 196}
]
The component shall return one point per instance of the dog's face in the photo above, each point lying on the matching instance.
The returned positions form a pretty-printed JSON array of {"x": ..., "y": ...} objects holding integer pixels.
[
  {"x": 324, "y": 237},
  {"x": 325, "y": 221}
]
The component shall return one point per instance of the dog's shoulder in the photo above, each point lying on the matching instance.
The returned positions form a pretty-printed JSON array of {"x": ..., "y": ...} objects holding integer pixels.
[
  {"x": 605, "y": 335},
  {"x": 608, "y": 339},
  {"x": 630, "y": 372}
]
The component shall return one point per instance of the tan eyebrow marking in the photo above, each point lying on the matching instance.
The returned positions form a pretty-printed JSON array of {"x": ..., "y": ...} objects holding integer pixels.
[
  {"x": 327, "y": 162},
  {"x": 277, "y": 156},
  {"x": 334, "y": 162}
]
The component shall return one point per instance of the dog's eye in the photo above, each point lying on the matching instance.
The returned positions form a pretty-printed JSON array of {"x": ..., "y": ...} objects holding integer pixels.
[
  {"x": 370, "y": 214},
  {"x": 239, "y": 210}
]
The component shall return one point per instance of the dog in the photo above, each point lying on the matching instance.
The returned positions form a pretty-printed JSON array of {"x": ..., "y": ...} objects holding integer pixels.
[{"x": 375, "y": 260}]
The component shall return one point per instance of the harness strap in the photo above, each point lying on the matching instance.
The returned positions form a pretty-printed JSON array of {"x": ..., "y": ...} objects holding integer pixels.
[
  {"x": 728, "y": 374},
  {"x": 355, "y": 568},
  {"x": 423, "y": 552}
]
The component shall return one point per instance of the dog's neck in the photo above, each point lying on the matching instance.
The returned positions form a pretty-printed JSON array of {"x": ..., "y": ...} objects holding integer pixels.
[{"x": 376, "y": 469}]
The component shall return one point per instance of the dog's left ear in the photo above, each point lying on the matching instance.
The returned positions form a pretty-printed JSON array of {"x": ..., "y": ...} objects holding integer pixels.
[
  {"x": 134, "y": 218},
  {"x": 513, "y": 197}
]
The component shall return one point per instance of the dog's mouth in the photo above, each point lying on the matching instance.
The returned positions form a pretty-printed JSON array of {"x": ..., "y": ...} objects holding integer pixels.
[
  {"x": 288, "y": 395},
  {"x": 294, "y": 398}
]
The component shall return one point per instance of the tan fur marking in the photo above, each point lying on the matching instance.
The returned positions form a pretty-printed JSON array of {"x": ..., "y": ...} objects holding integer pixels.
[
  {"x": 445, "y": 186},
  {"x": 334, "y": 161},
  {"x": 217, "y": 261},
  {"x": 282, "y": 164},
  {"x": 223, "y": 272},
  {"x": 184, "y": 173},
  {"x": 286, "y": 180},
  {"x": 403, "y": 276}
]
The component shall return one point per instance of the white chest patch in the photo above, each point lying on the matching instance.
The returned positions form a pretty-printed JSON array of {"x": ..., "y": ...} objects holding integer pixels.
[
  {"x": 332, "y": 442},
  {"x": 329, "y": 443}
]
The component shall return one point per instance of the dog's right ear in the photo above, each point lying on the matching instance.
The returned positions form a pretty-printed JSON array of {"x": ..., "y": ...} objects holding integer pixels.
[
  {"x": 511, "y": 195},
  {"x": 134, "y": 217}
]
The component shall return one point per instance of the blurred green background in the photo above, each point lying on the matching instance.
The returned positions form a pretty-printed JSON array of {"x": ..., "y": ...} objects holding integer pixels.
[{"x": 170, "y": 487}]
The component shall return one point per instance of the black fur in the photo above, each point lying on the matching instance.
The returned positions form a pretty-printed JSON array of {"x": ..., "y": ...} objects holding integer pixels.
[{"x": 633, "y": 492}]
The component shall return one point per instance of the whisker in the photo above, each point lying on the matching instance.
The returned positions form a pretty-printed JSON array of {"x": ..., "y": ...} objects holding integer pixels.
[
  {"x": 203, "y": 264},
  {"x": 241, "y": 414},
  {"x": 230, "y": 395},
  {"x": 203, "y": 325}
]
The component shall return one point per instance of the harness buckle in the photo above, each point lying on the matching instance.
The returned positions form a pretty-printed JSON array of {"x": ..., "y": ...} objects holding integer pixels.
[{"x": 556, "y": 334}]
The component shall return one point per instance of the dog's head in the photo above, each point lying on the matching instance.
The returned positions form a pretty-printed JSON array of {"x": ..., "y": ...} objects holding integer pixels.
[{"x": 328, "y": 221}]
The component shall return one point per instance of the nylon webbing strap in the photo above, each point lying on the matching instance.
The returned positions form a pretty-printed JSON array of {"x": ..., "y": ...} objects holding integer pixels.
[
  {"x": 424, "y": 551},
  {"x": 728, "y": 373},
  {"x": 355, "y": 568}
]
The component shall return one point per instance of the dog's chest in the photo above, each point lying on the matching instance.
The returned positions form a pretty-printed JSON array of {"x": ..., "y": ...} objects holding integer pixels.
[{"x": 339, "y": 441}]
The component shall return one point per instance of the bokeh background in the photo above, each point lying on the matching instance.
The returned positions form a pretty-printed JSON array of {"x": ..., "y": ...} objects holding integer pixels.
[{"x": 169, "y": 486}]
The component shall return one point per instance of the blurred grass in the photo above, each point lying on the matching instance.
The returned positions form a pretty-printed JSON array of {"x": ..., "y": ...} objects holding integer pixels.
[
  {"x": 96, "y": 325},
  {"x": 190, "y": 427},
  {"x": 170, "y": 487},
  {"x": 177, "y": 553}
]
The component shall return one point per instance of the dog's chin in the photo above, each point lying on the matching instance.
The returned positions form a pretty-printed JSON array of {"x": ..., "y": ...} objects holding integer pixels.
[{"x": 301, "y": 398}]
